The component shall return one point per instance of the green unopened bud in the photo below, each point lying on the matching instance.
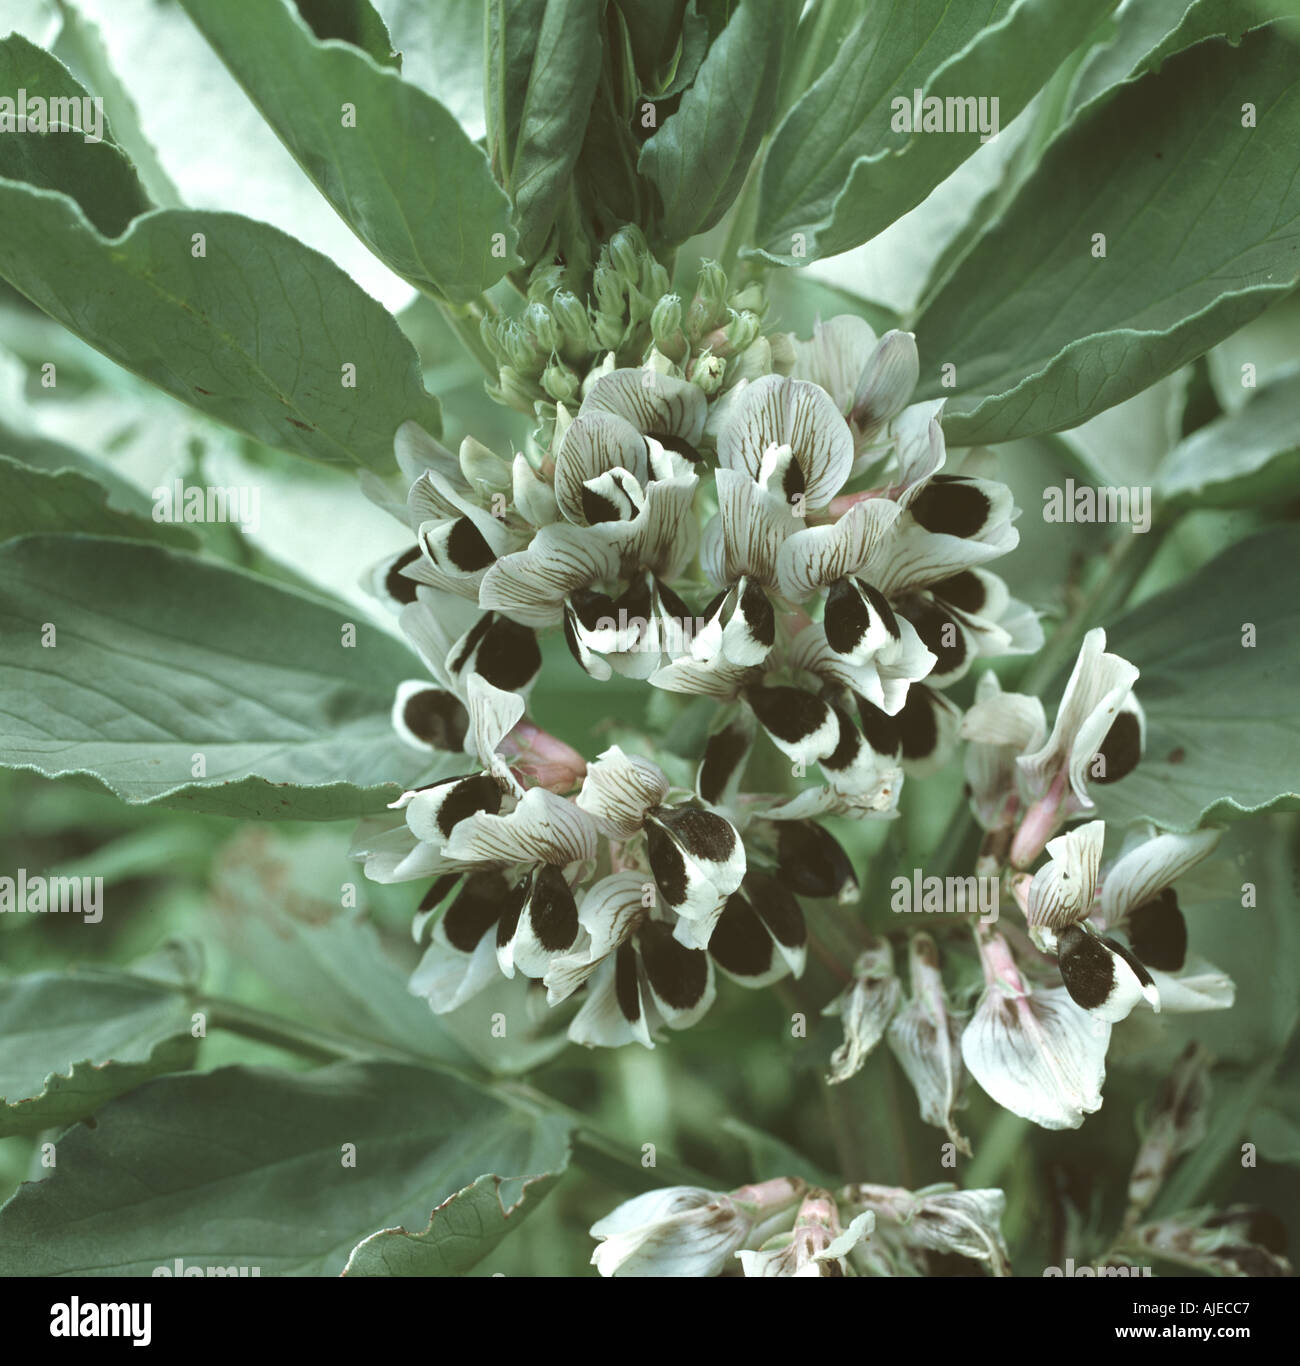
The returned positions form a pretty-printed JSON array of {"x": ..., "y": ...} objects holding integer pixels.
[
  {"x": 543, "y": 282},
  {"x": 609, "y": 332},
  {"x": 561, "y": 383},
  {"x": 609, "y": 291},
  {"x": 516, "y": 392},
  {"x": 519, "y": 350},
  {"x": 571, "y": 315},
  {"x": 742, "y": 331},
  {"x": 708, "y": 373},
  {"x": 541, "y": 323},
  {"x": 666, "y": 320},
  {"x": 655, "y": 279},
  {"x": 709, "y": 307},
  {"x": 489, "y": 329},
  {"x": 627, "y": 247}
]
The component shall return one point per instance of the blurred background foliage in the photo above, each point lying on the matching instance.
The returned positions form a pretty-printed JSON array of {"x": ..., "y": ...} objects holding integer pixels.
[{"x": 737, "y": 1097}]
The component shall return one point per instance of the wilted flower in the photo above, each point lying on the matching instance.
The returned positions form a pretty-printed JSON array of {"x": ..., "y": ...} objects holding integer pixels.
[
  {"x": 866, "y": 1008},
  {"x": 816, "y": 1246}
]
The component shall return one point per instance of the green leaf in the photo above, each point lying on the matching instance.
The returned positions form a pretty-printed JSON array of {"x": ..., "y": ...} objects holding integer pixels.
[
  {"x": 34, "y": 501},
  {"x": 441, "y": 43},
  {"x": 544, "y": 61},
  {"x": 1146, "y": 34},
  {"x": 406, "y": 178},
  {"x": 160, "y": 657},
  {"x": 839, "y": 169},
  {"x": 700, "y": 156},
  {"x": 468, "y": 1225},
  {"x": 1223, "y": 729},
  {"x": 1247, "y": 457},
  {"x": 255, "y": 332},
  {"x": 246, "y": 1166},
  {"x": 1042, "y": 333},
  {"x": 71, "y": 1041},
  {"x": 42, "y": 453}
]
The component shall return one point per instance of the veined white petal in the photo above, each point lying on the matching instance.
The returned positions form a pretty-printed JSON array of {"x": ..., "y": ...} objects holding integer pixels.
[
  {"x": 493, "y": 714},
  {"x": 817, "y": 556},
  {"x": 595, "y": 444},
  {"x": 531, "y": 585},
  {"x": 886, "y": 383},
  {"x": 1197, "y": 986},
  {"x": 656, "y": 404},
  {"x": 779, "y": 411},
  {"x": 1063, "y": 889},
  {"x": 603, "y": 1022},
  {"x": 433, "y": 631},
  {"x": 618, "y": 791},
  {"x": 543, "y": 828},
  {"x": 417, "y": 452},
  {"x": 1038, "y": 1055},
  {"x": 1152, "y": 866},
  {"x": 835, "y": 356},
  {"x": 754, "y": 525}
]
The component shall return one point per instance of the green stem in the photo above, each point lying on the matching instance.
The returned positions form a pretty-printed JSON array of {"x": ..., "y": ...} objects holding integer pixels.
[
  {"x": 464, "y": 322},
  {"x": 744, "y": 217}
]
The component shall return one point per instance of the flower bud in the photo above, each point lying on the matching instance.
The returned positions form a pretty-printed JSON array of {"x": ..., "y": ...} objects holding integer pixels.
[
  {"x": 489, "y": 329},
  {"x": 742, "y": 331},
  {"x": 561, "y": 383},
  {"x": 626, "y": 248},
  {"x": 709, "y": 306},
  {"x": 666, "y": 321},
  {"x": 519, "y": 351},
  {"x": 541, "y": 323},
  {"x": 654, "y": 279},
  {"x": 571, "y": 315},
  {"x": 752, "y": 299},
  {"x": 545, "y": 280},
  {"x": 610, "y": 292},
  {"x": 708, "y": 373},
  {"x": 609, "y": 332},
  {"x": 516, "y": 391}
]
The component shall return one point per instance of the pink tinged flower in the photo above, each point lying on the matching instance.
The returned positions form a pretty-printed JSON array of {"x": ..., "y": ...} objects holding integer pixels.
[
  {"x": 1098, "y": 720},
  {"x": 816, "y": 1246},
  {"x": 540, "y": 757},
  {"x": 941, "y": 1219},
  {"x": 925, "y": 1037},
  {"x": 865, "y": 1009},
  {"x": 1035, "y": 1052},
  {"x": 998, "y": 729},
  {"x": 685, "y": 1230}
]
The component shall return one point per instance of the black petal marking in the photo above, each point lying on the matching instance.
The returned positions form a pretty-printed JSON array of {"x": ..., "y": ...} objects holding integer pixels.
[
  {"x": 672, "y": 604},
  {"x": 775, "y": 906},
  {"x": 950, "y": 505},
  {"x": 723, "y": 754},
  {"x": 810, "y": 860},
  {"x": 625, "y": 987},
  {"x": 703, "y": 834},
  {"x": 1120, "y": 750},
  {"x": 438, "y": 892},
  {"x": 468, "y": 795},
  {"x": 847, "y": 747},
  {"x": 554, "y": 913},
  {"x": 882, "y": 731},
  {"x": 509, "y": 657},
  {"x": 933, "y": 624},
  {"x": 758, "y": 614},
  {"x": 596, "y": 508},
  {"x": 1087, "y": 966},
  {"x": 396, "y": 584},
  {"x": 1158, "y": 932},
  {"x": 791, "y": 714},
  {"x": 964, "y": 591},
  {"x": 679, "y": 976},
  {"x": 476, "y": 909},
  {"x": 739, "y": 942},
  {"x": 480, "y": 628},
  {"x": 847, "y": 619},
  {"x": 437, "y": 718},
  {"x": 466, "y": 547},
  {"x": 667, "y": 864},
  {"x": 918, "y": 725},
  {"x": 676, "y": 443},
  {"x": 516, "y": 899},
  {"x": 591, "y": 607},
  {"x": 881, "y": 606}
]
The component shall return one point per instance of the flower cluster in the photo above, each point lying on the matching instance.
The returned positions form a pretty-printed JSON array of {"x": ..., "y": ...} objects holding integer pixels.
[
  {"x": 754, "y": 520},
  {"x": 783, "y": 1227}
]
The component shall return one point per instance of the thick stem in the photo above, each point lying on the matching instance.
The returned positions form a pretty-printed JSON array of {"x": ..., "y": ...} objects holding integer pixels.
[{"x": 464, "y": 322}]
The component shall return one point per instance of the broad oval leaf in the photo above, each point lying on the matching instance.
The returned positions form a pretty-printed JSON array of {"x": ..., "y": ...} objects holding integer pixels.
[
  {"x": 157, "y": 657},
  {"x": 1223, "y": 728},
  {"x": 1194, "y": 248},
  {"x": 233, "y": 317},
  {"x": 395, "y": 163},
  {"x": 257, "y": 1167},
  {"x": 71, "y": 1041},
  {"x": 844, "y": 164}
]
